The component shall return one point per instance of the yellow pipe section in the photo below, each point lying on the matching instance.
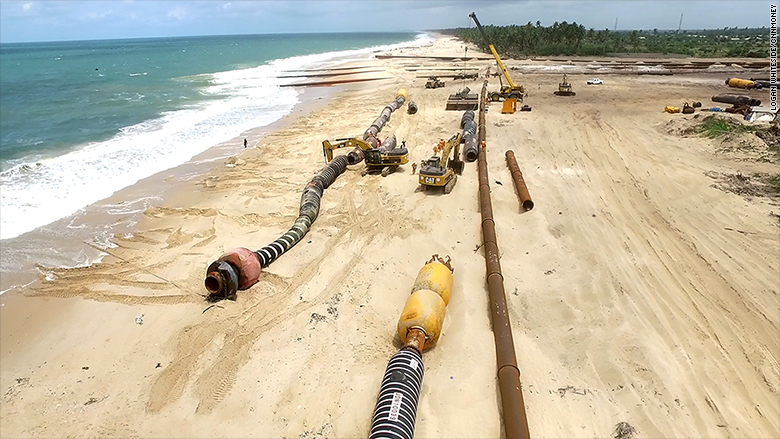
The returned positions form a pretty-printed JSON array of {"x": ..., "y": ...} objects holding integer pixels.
[
  {"x": 740, "y": 83},
  {"x": 425, "y": 307}
]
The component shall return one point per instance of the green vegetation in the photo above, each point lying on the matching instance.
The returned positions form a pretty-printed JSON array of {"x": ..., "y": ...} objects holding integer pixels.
[
  {"x": 774, "y": 182},
  {"x": 574, "y": 39},
  {"x": 713, "y": 127}
]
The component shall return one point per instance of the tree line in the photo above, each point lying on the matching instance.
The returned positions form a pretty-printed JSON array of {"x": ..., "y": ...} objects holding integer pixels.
[{"x": 564, "y": 38}]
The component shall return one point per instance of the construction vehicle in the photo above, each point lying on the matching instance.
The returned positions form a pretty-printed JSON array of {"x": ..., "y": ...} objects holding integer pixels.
[
  {"x": 507, "y": 91},
  {"x": 564, "y": 88},
  {"x": 434, "y": 82},
  {"x": 443, "y": 171},
  {"x": 385, "y": 158}
]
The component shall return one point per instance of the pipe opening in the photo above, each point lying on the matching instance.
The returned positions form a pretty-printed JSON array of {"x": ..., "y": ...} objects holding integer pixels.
[{"x": 213, "y": 283}]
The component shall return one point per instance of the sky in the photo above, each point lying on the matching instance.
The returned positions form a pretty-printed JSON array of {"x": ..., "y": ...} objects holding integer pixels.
[{"x": 50, "y": 20}]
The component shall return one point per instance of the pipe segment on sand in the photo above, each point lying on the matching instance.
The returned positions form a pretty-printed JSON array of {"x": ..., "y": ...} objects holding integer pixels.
[
  {"x": 239, "y": 268},
  {"x": 512, "y": 404},
  {"x": 517, "y": 177},
  {"x": 419, "y": 328},
  {"x": 470, "y": 148}
]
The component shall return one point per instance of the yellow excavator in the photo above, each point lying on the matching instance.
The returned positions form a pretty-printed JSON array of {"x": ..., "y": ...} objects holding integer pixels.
[
  {"x": 507, "y": 91},
  {"x": 385, "y": 157},
  {"x": 443, "y": 171},
  {"x": 564, "y": 88}
]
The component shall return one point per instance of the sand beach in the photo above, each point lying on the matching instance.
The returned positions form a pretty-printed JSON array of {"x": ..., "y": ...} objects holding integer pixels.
[{"x": 641, "y": 288}]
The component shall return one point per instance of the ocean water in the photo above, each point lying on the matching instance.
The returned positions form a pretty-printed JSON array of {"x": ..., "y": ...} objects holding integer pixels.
[{"x": 81, "y": 120}]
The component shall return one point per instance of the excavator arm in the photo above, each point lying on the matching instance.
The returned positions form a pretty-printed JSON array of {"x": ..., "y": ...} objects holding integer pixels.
[
  {"x": 493, "y": 51},
  {"x": 327, "y": 147},
  {"x": 453, "y": 142}
]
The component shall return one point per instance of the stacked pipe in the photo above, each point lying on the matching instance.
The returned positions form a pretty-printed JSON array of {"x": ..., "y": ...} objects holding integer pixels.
[
  {"x": 470, "y": 148},
  {"x": 736, "y": 100},
  {"x": 239, "y": 268},
  {"x": 513, "y": 407},
  {"x": 517, "y": 176},
  {"x": 419, "y": 328}
]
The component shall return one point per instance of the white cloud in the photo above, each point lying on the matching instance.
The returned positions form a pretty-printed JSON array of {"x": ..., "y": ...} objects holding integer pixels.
[
  {"x": 98, "y": 15},
  {"x": 178, "y": 13},
  {"x": 26, "y": 6}
]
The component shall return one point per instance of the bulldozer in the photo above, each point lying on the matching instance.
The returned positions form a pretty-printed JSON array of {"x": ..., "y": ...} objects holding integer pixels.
[
  {"x": 434, "y": 82},
  {"x": 385, "y": 158},
  {"x": 443, "y": 171},
  {"x": 564, "y": 88}
]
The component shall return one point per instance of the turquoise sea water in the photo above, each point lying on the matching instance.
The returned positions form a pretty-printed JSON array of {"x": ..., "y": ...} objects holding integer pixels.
[{"x": 81, "y": 120}]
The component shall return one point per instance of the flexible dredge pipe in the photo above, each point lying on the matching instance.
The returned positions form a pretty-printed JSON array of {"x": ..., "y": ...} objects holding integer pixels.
[
  {"x": 513, "y": 407},
  {"x": 239, "y": 268},
  {"x": 419, "y": 328}
]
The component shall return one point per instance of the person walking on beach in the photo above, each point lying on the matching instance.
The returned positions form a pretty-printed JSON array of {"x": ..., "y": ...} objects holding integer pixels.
[{"x": 244, "y": 143}]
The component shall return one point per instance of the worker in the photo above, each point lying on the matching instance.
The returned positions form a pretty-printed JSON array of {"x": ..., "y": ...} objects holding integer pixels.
[
  {"x": 439, "y": 147},
  {"x": 414, "y": 167}
]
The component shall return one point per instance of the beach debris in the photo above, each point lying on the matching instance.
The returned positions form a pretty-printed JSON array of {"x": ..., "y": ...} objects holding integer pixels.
[
  {"x": 158, "y": 365},
  {"x": 93, "y": 400},
  {"x": 411, "y": 108},
  {"x": 317, "y": 317},
  {"x": 139, "y": 319},
  {"x": 85, "y": 367},
  {"x": 623, "y": 430},
  {"x": 562, "y": 391}
]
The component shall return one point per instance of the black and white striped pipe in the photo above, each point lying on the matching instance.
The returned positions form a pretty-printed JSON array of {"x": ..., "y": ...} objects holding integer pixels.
[
  {"x": 396, "y": 407},
  {"x": 310, "y": 209},
  {"x": 470, "y": 148}
]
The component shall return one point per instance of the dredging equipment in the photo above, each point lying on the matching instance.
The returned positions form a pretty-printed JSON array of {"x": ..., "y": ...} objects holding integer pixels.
[
  {"x": 419, "y": 327},
  {"x": 517, "y": 177},
  {"x": 239, "y": 268},
  {"x": 512, "y": 404}
]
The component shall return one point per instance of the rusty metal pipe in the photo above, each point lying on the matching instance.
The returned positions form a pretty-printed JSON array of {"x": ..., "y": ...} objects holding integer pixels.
[
  {"x": 512, "y": 404},
  {"x": 517, "y": 177}
]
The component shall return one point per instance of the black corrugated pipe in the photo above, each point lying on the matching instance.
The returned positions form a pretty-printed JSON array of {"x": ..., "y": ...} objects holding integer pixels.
[
  {"x": 239, "y": 268},
  {"x": 396, "y": 407}
]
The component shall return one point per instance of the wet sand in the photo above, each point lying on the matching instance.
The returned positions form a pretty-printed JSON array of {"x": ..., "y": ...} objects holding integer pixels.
[{"x": 638, "y": 290}]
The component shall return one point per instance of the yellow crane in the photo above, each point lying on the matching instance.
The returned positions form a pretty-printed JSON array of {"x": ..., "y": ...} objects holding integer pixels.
[{"x": 507, "y": 91}]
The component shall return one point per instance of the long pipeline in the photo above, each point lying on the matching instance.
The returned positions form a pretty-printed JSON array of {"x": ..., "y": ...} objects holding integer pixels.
[
  {"x": 512, "y": 404},
  {"x": 239, "y": 268}
]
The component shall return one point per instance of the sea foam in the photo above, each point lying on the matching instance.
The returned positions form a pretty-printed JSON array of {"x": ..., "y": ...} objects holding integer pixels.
[{"x": 38, "y": 192}]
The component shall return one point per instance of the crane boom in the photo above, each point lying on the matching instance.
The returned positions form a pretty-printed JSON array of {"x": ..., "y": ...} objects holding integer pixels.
[{"x": 493, "y": 51}]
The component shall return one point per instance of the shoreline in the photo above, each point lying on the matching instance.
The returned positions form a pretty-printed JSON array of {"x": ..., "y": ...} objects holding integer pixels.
[{"x": 637, "y": 290}]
